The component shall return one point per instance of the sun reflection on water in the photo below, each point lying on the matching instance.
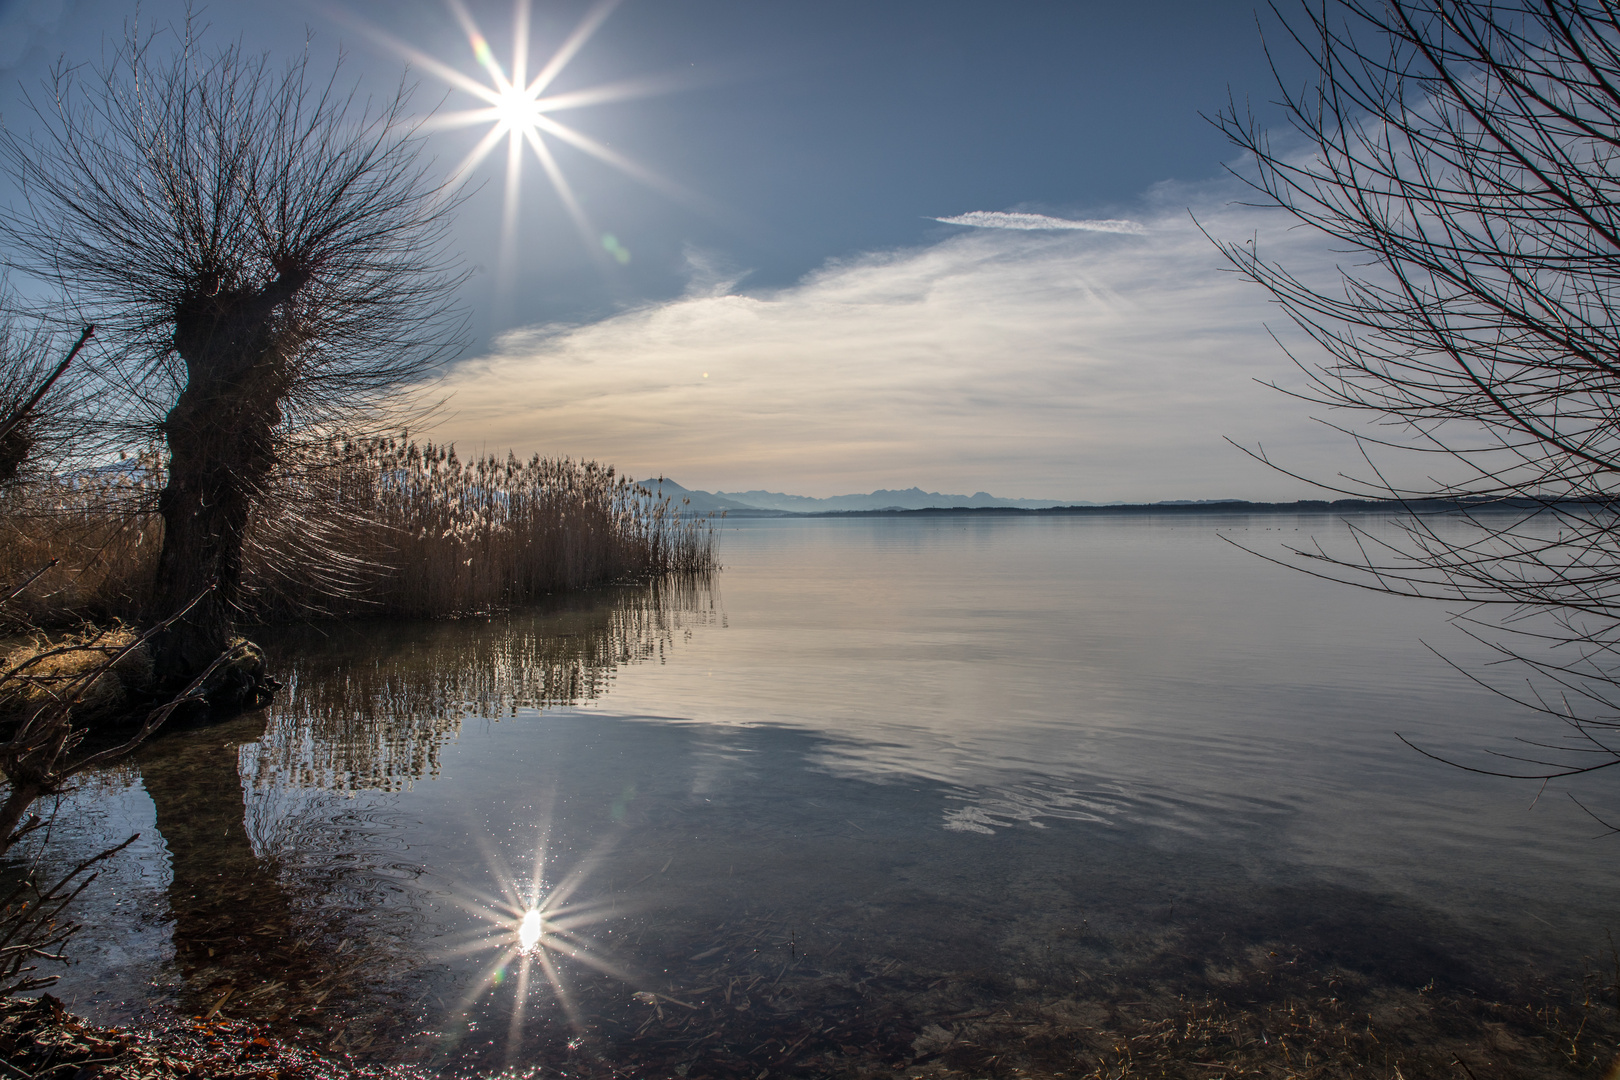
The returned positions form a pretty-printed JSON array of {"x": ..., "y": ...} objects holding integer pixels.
[
  {"x": 530, "y": 930},
  {"x": 535, "y": 928}
]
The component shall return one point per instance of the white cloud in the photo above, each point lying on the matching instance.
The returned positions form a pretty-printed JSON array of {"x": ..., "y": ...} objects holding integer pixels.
[
  {"x": 1065, "y": 364},
  {"x": 998, "y": 219}
]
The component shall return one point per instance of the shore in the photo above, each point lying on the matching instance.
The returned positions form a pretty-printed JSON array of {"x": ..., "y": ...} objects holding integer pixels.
[
  {"x": 39, "y": 1038},
  {"x": 1275, "y": 1019}
]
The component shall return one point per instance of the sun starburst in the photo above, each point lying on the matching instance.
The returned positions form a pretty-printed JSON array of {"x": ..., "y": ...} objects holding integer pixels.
[
  {"x": 517, "y": 109},
  {"x": 533, "y": 927}
]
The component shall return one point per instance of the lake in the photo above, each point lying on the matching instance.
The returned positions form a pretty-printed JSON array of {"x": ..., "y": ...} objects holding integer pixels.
[{"x": 958, "y": 794}]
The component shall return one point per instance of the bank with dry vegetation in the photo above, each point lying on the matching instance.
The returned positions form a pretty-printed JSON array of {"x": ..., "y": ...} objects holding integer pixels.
[{"x": 356, "y": 528}]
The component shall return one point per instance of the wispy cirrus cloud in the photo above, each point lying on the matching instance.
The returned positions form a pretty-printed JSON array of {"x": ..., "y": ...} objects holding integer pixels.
[
  {"x": 1002, "y": 219},
  {"x": 1063, "y": 363}
]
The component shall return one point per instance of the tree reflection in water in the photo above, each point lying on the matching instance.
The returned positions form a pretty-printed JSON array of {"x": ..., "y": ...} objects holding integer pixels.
[{"x": 251, "y": 808}]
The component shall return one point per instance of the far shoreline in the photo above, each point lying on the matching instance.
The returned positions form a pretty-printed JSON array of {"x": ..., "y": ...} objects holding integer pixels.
[{"x": 1218, "y": 506}]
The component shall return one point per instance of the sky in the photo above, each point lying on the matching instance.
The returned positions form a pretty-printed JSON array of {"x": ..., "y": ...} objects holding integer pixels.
[{"x": 831, "y": 247}]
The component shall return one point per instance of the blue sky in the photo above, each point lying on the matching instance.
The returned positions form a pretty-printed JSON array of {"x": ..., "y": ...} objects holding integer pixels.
[{"x": 780, "y": 305}]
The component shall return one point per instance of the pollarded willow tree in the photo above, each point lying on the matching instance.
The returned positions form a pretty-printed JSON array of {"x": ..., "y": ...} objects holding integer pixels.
[
  {"x": 1466, "y": 156},
  {"x": 263, "y": 253}
]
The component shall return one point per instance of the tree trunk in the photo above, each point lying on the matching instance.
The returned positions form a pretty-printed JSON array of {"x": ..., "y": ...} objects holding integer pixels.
[
  {"x": 222, "y": 436},
  {"x": 205, "y": 509}
]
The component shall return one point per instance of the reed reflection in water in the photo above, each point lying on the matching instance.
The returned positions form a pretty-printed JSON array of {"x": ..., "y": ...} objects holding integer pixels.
[
  {"x": 291, "y": 891},
  {"x": 368, "y": 705}
]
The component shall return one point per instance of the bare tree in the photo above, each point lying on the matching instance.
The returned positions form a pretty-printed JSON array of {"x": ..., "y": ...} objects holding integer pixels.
[
  {"x": 263, "y": 253},
  {"x": 1466, "y": 155},
  {"x": 41, "y": 416}
]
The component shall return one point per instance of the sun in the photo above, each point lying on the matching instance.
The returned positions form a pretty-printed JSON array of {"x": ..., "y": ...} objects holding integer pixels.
[{"x": 516, "y": 109}]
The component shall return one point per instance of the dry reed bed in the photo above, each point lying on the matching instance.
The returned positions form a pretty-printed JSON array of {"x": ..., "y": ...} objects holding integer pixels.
[
  {"x": 95, "y": 536},
  {"x": 356, "y": 528}
]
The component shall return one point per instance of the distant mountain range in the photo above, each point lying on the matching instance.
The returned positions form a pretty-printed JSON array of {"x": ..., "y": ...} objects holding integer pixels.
[
  {"x": 776, "y": 504},
  {"x": 743, "y": 503}
]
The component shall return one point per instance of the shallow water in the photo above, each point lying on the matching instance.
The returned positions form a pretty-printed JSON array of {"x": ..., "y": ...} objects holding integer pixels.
[{"x": 878, "y": 784}]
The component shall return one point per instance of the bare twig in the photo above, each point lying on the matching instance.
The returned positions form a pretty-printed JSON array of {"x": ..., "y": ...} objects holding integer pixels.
[
  {"x": 37, "y": 759},
  {"x": 1471, "y": 152},
  {"x": 18, "y": 416}
]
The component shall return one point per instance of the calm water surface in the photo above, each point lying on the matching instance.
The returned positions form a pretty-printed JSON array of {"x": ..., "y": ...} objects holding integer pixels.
[{"x": 877, "y": 778}]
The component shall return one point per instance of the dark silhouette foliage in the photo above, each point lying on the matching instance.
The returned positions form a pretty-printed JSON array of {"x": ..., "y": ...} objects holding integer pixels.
[
  {"x": 1465, "y": 156},
  {"x": 43, "y": 418},
  {"x": 263, "y": 254}
]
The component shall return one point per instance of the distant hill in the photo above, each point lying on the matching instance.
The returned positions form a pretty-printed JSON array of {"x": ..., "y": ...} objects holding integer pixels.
[
  {"x": 909, "y": 499},
  {"x": 930, "y": 503},
  {"x": 700, "y": 502},
  {"x": 772, "y": 503}
]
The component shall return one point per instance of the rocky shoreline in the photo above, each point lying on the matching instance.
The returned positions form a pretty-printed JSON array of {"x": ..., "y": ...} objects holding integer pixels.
[{"x": 39, "y": 1038}]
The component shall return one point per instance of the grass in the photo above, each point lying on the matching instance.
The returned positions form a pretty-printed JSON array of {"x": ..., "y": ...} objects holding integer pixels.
[
  {"x": 358, "y": 528},
  {"x": 96, "y": 668}
]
